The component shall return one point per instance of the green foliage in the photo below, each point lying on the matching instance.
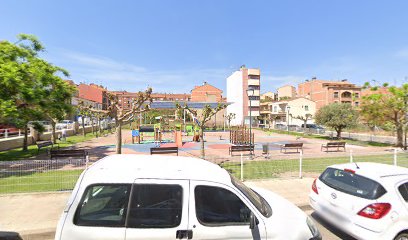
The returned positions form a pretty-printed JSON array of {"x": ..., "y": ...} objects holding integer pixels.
[
  {"x": 385, "y": 109},
  {"x": 337, "y": 116}
]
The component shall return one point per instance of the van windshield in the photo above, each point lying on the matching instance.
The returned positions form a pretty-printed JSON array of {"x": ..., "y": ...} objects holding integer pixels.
[
  {"x": 352, "y": 183},
  {"x": 257, "y": 200}
]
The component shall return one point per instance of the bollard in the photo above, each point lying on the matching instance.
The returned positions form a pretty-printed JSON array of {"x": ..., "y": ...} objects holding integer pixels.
[
  {"x": 6, "y": 133},
  {"x": 242, "y": 168},
  {"x": 351, "y": 155},
  {"x": 300, "y": 163},
  {"x": 395, "y": 157}
]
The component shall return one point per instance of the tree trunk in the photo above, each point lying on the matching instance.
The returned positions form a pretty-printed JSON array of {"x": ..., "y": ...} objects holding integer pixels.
[
  {"x": 53, "y": 138},
  {"x": 83, "y": 126},
  {"x": 338, "y": 130},
  {"x": 118, "y": 137},
  {"x": 25, "y": 140},
  {"x": 202, "y": 143},
  {"x": 92, "y": 125},
  {"x": 400, "y": 135}
]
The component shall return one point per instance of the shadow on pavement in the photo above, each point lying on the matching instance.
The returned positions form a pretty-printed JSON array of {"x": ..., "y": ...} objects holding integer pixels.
[
  {"x": 331, "y": 228},
  {"x": 10, "y": 236}
]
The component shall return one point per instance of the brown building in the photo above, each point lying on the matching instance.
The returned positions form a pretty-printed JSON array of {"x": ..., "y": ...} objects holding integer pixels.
[
  {"x": 206, "y": 93},
  {"x": 324, "y": 92},
  {"x": 93, "y": 93}
]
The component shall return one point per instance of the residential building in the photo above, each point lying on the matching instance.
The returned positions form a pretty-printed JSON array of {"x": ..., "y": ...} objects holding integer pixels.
[
  {"x": 324, "y": 92},
  {"x": 286, "y": 92},
  {"x": 268, "y": 97},
  {"x": 379, "y": 90},
  {"x": 206, "y": 93},
  {"x": 242, "y": 105},
  {"x": 95, "y": 93},
  {"x": 288, "y": 111}
]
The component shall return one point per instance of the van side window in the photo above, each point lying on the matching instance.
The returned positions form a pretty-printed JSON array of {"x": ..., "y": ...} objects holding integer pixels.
[
  {"x": 103, "y": 205},
  {"x": 219, "y": 207},
  {"x": 155, "y": 206},
  {"x": 403, "y": 189}
]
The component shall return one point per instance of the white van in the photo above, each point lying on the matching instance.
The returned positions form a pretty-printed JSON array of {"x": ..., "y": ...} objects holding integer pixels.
[{"x": 162, "y": 197}]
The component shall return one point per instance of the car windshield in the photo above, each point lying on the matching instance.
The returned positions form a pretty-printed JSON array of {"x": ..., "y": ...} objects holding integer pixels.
[
  {"x": 351, "y": 183},
  {"x": 259, "y": 202}
]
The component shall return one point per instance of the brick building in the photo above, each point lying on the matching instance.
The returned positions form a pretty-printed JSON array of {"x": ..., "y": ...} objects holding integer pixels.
[
  {"x": 206, "y": 93},
  {"x": 94, "y": 93},
  {"x": 324, "y": 92}
]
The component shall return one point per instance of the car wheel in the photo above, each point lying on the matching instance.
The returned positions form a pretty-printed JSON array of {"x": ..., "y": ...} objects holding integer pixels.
[{"x": 402, "y": 236}]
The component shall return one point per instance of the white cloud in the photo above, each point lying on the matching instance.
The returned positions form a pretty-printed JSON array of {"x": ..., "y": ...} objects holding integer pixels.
[{"x": 117, "y": 75}]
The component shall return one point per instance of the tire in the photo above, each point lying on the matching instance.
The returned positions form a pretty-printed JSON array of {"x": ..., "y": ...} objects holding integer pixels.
[{"x": 402, "y": 236}]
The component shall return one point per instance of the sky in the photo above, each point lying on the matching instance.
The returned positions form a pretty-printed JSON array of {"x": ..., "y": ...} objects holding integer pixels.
[{"x": 174, "y": 45}]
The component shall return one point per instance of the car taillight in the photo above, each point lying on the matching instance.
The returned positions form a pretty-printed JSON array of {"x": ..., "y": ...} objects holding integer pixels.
[
  {"x": 314, "y": 187},
  {"x": 375, "y": 210}
]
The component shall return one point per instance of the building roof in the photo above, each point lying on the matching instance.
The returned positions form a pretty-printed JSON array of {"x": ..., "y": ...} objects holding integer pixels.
[
  {"x": 206, "y": 88},
  {"x": 125, "y": 168}
]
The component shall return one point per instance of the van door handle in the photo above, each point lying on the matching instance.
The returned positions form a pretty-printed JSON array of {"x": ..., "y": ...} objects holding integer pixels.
[{"x": 182, "y": 234}]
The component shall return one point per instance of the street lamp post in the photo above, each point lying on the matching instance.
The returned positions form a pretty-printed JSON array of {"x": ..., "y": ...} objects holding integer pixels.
[
  {"x": 250, "y": 93},
  {"x": 406, "y": 120},
  {"x": 288, "y": 108}
]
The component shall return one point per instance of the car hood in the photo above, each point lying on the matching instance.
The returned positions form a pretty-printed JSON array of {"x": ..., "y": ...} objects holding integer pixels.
[{"x": 287, "y": 219}]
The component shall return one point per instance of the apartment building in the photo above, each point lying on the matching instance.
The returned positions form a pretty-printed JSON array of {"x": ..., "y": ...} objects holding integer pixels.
[
  {"x": 286, "y": 92},
  {"x": 94, "y": 93},
  {"x": 288, "y": 111},
  {"x": 241, "y": 104},
  {"x": 324, "y": 92},
  {"x": 206, "y": 93}
]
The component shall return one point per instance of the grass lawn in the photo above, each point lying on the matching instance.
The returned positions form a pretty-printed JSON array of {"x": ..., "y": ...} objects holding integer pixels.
[
  {"x": 18, "y": 154},
  {"x": 40, "y": 182},
  {"x": 349, "y": 141},
  {"x": 290, "y": 167}
]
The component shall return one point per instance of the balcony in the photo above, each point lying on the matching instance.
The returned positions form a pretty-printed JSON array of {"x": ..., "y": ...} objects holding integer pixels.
[
  {"x": 253, "y": 82},
  {"x": 254, "y": 71}
]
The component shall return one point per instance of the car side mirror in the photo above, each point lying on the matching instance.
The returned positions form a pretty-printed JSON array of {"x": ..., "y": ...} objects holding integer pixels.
[{"x": 253, "y": 221}]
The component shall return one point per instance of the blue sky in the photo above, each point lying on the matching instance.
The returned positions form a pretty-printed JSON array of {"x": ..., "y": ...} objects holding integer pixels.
[{"x": 174, "y": 45}]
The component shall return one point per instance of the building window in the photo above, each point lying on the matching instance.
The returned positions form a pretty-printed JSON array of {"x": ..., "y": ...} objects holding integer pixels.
[
  {"x": 275, "y": 108},
  {"x": 254, "y": 98},
  {"x": 356, "y": 95},
  {"x": 336, "y": 94},
  {"x": 356, "y": 104},
  {"x": 346, "y": 95},
  {"x": 306, "y": 108}
]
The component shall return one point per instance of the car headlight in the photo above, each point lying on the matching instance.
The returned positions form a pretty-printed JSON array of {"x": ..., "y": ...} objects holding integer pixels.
[{"x": 313, "y": 229}]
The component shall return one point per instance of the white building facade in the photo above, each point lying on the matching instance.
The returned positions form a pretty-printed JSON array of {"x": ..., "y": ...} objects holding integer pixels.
[{"x": 242, "y": 105}]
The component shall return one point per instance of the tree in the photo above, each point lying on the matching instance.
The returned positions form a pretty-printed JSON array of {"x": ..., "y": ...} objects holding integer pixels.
[
  {"x": 303, "y": 118},
  {"x": 141, "y": 103},
  {"x": 380, "y": 108},
  {"x": 201, "y": 118},
  {"x": 230, "y": 117},
  {"x": 84, "y": 111},
  {"x": 25, "y": 82},
  {"x": 337, "y": 116}
]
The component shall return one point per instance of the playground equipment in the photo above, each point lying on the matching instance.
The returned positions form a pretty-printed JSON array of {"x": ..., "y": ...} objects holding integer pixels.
[
  {"x": 241, "y": 136},
  {"x": 147, "y": 131}
]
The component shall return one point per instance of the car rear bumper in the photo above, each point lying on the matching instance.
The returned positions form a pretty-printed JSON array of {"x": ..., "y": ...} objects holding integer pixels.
[{"x": 343, "y": 223}]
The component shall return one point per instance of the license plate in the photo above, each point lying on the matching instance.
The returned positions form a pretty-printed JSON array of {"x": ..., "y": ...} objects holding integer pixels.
[{"x": 335, "y": 216}]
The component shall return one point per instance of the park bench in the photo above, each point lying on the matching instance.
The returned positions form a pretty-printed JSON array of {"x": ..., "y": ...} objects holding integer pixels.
[
  {"x": 296, "y": 146},
  {"x": 337, "y": 145},
  {"x": 163, "y": 150},
  {"x": 43, "y": 144},
  {"x": 77, "y": 154},
  {"x": 241, "y": 148}
]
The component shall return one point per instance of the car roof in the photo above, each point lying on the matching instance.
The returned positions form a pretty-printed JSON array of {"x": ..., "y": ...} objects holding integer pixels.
[
  {"x": 375, "y": 171},
  {"x": 125, "y": 168}
]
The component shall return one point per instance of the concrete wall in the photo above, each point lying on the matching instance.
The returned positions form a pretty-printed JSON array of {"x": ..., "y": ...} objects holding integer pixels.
[{"x": 17, "y": 142}]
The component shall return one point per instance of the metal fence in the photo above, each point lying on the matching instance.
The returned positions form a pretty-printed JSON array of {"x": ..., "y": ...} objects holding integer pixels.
[
  {"x": 298, "y": 165},
  {"x": 40, "y": 175}
]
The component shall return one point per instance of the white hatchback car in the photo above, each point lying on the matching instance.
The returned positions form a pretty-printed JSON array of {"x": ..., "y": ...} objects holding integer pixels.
[
  {"x": 156, "y": 197},
  {"x": 365, "y": 200}
]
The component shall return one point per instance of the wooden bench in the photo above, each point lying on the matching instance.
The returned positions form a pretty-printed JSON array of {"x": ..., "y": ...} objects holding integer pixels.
[
  {"x": 241, "y": 148},
  {"x": 163, "y": 150},
  {"x": 296, "y": 146},
  {"x": 337, "y": 145},
  {"x": 77, "y": 154},
  {"x": 43, "y": 144}
]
